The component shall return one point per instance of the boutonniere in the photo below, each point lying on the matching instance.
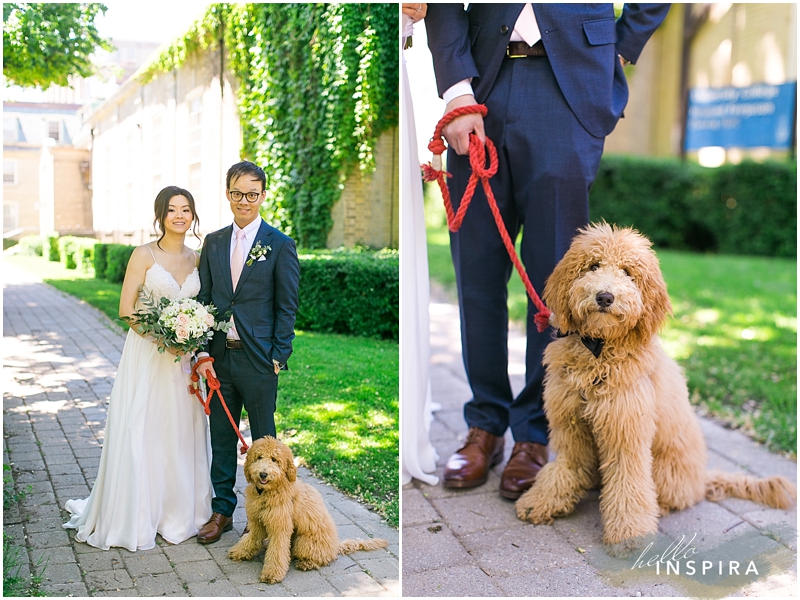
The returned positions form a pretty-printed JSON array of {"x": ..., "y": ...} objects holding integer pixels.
[{"x": 256, "y": 252}]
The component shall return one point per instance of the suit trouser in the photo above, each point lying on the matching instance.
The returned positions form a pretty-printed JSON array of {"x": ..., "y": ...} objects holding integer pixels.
[
  {"x": 241, "y": 384},
  {"x": 547, "y": 163}
]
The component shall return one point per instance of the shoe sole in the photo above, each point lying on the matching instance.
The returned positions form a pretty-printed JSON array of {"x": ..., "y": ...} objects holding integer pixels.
[
  {"x": 471, "y": 483},
  {"x": 212, "y": 540},
  {"x": 510, "y": 495}
]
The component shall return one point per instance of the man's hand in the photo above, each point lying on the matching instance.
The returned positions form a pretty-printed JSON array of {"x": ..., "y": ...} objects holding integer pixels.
[
  {"x": 457, "y": 132},
  {"x": 206, "y": 369}
]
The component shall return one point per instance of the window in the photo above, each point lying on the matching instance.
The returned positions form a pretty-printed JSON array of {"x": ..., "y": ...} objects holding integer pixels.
[
  {"x": 9, "y": 172},
  {"x": 10, "y": 216},
  {"x": 54, "y": 130},
  {"x": 10, "y": 129}
]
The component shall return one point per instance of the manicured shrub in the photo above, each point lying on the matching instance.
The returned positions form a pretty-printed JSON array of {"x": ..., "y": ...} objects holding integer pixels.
[
  {"x": 100, "y": 258},
  {"x": 52, "y": 245},
  {"x": 748, "y": 208},
  {"x": 353, "y": 292},
  {"x": 117, "y": 257},
  {"x": 76, "y": 251},
  {"x": 32, "y": 245}
]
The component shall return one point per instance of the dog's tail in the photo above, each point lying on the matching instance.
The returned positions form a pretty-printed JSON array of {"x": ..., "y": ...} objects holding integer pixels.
[
  {"x": 350, "y": 545},
  {"x": 776, "y": 492}
]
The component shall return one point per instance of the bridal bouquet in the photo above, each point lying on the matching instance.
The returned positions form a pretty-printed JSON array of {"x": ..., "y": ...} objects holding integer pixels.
[{"x": 184, "y": 324}]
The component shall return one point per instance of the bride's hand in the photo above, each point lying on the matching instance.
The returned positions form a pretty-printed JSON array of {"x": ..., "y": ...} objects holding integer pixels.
[{"x": 415, "y": 10}]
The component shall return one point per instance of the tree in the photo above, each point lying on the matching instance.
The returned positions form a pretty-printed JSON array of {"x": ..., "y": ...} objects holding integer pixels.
[{"x": 43, "y": 44}]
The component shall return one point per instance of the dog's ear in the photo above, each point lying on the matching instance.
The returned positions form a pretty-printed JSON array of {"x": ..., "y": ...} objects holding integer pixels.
[
  {"x": 557, "y": 286},
  {"x": 247, "y": 462},
  {"x": 654, "y": 297},
  {"x": 288, "y": 463}
]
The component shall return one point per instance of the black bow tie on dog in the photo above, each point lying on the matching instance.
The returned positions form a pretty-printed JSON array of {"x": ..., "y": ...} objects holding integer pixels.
[{"x": 594, "y": 345}]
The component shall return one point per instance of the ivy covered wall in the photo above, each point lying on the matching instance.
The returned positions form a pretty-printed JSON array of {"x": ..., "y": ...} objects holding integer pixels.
[{"x": 317, "y": 86}]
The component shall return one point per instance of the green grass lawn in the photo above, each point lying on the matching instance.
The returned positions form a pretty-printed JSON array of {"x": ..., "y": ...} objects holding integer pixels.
[
  {"x": 734, "y": 331},
  {"x": 337, "y": 405}
]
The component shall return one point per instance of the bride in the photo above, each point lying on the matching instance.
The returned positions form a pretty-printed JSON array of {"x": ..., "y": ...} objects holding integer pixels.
[{"x": 154, "y": 475}]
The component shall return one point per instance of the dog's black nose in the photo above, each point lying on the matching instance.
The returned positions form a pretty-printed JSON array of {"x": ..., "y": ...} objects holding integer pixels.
[
  {"x": 604, "y": 299},
  {"x": 262, "y": 475}
]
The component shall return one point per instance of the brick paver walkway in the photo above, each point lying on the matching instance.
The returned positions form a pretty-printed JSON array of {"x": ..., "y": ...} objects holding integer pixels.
[
  {"x": 470, "y": 542},
  {"x": 59, "y": 361}
]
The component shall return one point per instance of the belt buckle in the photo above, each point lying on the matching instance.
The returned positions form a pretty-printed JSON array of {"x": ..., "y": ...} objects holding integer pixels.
[{"x": 509, "y": 55}]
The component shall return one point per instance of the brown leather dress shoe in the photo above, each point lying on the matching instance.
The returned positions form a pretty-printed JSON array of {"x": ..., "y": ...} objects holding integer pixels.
[
  {"x": 216, "y": 526},
  {"x": 469, "y": 466},
  {"x": 527, "y": 459}
]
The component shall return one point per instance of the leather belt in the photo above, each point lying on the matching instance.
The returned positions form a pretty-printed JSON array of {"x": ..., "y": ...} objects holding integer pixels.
[
  {"x": 229, "y": 343},
  {"x": 522, "y": 50}
]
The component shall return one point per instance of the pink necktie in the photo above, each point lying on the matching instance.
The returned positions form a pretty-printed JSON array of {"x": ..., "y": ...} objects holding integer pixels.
[{"x": 237, "y": 260}]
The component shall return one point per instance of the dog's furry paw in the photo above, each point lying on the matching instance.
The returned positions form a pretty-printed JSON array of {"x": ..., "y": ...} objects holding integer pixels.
[
  {"x": 535, "y": 514},
  {"x": 306, "y": 564},
  {"x": 269, "y": 575},
  {"x": 241, "y": 551}
]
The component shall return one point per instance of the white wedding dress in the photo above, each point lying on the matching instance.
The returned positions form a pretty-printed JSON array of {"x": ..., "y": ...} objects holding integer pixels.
[
  {"x": 154, "y": 468},
  {"x": 418, "y": 454}
]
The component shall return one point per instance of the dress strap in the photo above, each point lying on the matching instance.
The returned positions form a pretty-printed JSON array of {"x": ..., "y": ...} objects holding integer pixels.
[{"x": 151, "y": 254}]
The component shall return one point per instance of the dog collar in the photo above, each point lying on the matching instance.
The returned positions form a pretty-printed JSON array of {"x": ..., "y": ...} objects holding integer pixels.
[
  {"x": 259, "y": 490},
  {"x": 594, "y": 345}
]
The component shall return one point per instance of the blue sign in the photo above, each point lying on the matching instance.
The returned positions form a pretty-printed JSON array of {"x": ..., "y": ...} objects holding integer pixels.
[{"x": 741, "y": 117}]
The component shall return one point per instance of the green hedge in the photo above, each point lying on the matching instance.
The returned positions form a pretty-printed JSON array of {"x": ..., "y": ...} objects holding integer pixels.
[
  {"x": 32, "y": 245},
  {"x": 750, "y": 208},
  {"x": 77, "y": 251},
  {"x": 52, "y": 245},
  {"x": 354, "y": 292},
  {"x": 117, "y": 257}
]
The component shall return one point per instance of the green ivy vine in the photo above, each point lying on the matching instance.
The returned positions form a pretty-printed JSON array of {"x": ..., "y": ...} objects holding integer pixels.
[{"x": 317, "y": 85}]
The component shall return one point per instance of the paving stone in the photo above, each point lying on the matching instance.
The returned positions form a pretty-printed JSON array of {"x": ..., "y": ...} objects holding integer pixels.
[
  {"x": 77, "y": 590},
  {"x": 105, "y": 560},
  {"x": 186, "y": 552},
  {"x": 55, "y": 573},
  {"x": 50, "y": 539},
  {"x": 477, "y": 512},
  {"x": 356, "y": 584},
  {"x": 264, "y": 590},
  {"x": 158, "y": 584},
  {"x": 55, "y": 556},
  {"x": 453, "y": 582},
  {"x": 203, "y": 570},
  {"x": 218, "y": 587},
  {"x": 147, "y": 564},
  {"x": 416, "y": 508},
  {"x": 108, "y": 581},
  {"x": 307, "y": 583},
  {"x": 422, "y": 551}
]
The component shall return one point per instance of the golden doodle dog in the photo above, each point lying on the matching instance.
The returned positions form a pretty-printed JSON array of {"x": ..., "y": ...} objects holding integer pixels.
[
  {"x": 289, "y": 514},
  {"x": 618, "y": 406}
]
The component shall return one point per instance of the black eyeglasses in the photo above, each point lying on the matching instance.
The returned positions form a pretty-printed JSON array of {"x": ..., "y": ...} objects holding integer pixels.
[{"x": 251, "y": 196}]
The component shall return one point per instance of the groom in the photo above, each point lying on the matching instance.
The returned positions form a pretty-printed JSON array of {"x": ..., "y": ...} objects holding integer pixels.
[{"x": 250, "y": 270}]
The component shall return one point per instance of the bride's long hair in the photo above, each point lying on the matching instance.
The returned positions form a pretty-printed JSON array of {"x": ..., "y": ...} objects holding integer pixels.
[{"x": 161, "y": 208}]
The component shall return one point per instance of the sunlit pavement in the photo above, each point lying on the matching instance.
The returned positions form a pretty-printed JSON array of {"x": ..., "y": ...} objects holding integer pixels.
[
  {"x": 59, "y": 361},
  {"x": 470, "y": 542}
]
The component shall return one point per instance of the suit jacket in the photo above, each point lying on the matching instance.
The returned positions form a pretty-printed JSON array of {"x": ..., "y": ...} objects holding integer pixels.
[
  {"x": 264, "y": 304},
  {"x": 582, "y": 42}
]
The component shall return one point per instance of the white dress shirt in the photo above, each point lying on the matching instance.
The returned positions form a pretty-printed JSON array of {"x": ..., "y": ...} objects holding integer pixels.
[{"x": 525, "y": 29}]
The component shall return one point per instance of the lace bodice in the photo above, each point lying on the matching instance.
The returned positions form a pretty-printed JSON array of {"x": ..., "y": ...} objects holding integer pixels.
[{"x": 158, "y": 282}]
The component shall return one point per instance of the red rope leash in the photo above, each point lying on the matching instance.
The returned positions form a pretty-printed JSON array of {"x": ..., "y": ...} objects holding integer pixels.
[
  {"x": 433, "y": 172},
  {"x": 213, "y": 386}
]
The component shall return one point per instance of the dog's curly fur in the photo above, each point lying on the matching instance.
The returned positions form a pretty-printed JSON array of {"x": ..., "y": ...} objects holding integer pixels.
[
  {"x": 622, "y": 419},
  {"x": 287, "y": 515}
]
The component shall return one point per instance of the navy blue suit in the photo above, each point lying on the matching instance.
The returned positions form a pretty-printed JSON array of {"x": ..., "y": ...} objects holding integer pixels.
[
  {"x": 548, "y": 117},
  {"x": 264, "y": 306}
]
